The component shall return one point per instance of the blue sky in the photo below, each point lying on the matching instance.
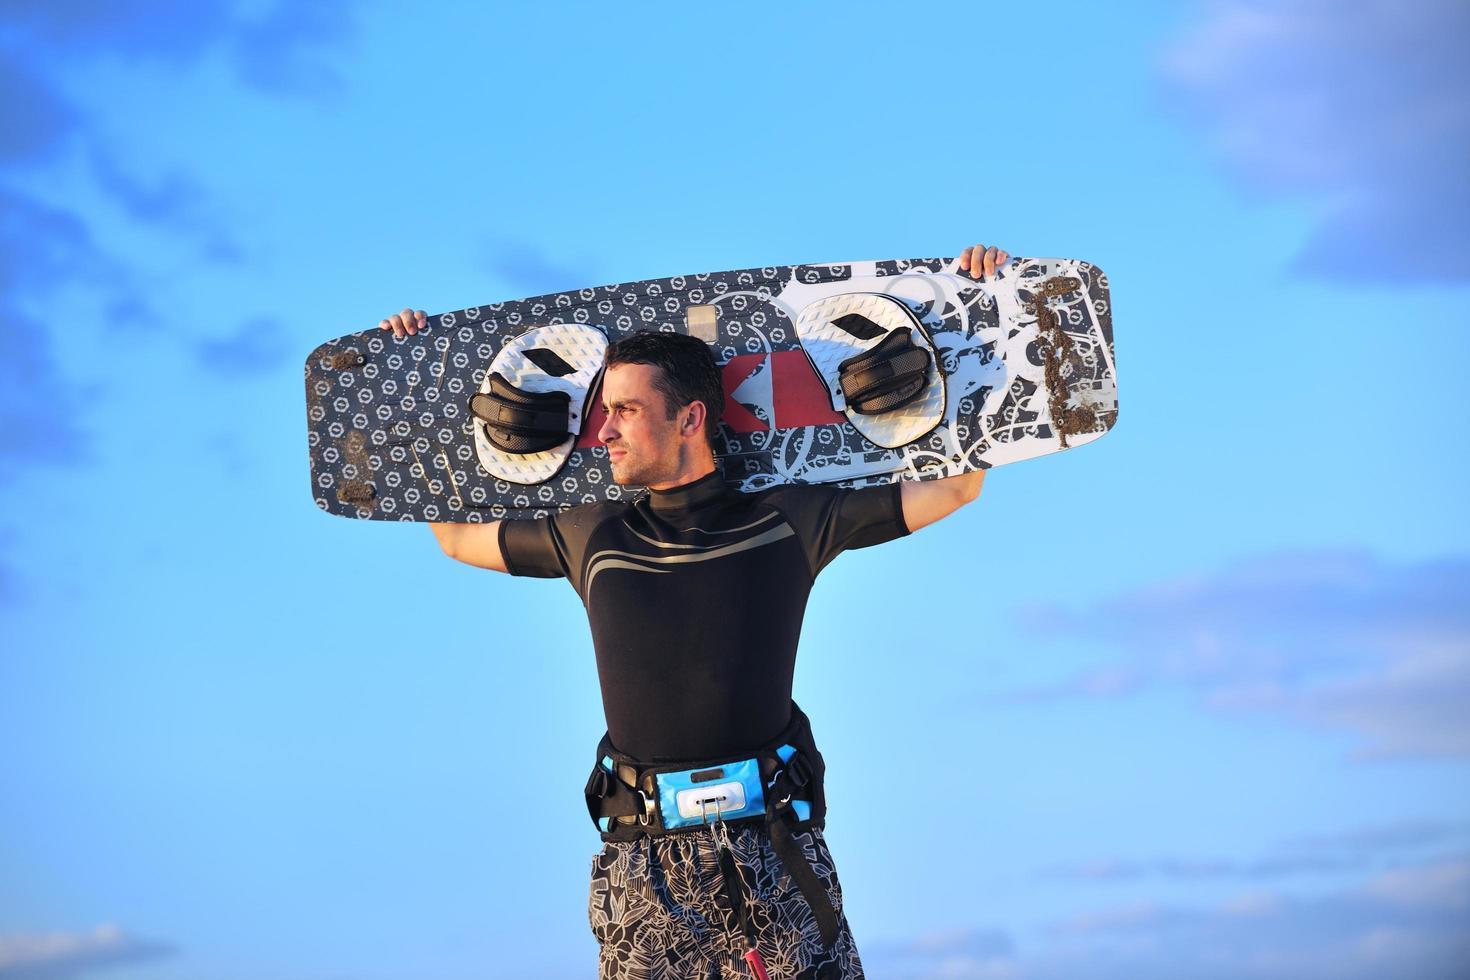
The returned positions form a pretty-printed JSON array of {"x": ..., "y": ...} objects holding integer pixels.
[{"x": 1190, "y": 699}]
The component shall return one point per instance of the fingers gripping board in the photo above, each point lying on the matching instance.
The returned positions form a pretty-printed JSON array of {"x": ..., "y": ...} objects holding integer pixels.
[{"x": 1022, "y": 366}]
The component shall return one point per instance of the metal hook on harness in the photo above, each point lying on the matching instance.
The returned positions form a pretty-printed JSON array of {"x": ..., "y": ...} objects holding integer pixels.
[
  {"x": 718, "y": 829},
  {"x": 775, "y": 778}
]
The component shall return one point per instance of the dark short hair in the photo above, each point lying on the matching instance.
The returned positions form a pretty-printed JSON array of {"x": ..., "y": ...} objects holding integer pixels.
[{"x": 688, "y": 371}]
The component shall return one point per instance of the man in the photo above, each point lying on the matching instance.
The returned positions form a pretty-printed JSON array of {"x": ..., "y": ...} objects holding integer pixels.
[{"x": 695, "y": 595}]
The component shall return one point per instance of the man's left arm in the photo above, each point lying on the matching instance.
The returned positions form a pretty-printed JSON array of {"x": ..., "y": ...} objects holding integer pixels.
[{"x": 925, "y": 502}]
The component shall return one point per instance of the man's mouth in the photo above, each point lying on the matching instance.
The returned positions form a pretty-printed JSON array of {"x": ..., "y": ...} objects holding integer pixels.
[{"x": 616, "y": 453}]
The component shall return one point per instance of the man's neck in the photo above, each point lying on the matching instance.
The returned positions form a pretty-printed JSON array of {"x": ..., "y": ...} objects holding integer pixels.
[{"x": 691, "y": 468}]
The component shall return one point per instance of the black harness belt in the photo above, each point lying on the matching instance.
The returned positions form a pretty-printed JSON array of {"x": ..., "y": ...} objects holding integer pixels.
[{"x": 779, "y": 783}]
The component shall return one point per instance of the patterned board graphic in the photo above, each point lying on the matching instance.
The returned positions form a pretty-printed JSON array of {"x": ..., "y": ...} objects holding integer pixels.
[{"x": 1027, "y": 363}]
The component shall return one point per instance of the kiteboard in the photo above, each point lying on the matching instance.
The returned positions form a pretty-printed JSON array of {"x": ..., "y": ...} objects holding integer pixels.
[{"x": 856, "y": 374}]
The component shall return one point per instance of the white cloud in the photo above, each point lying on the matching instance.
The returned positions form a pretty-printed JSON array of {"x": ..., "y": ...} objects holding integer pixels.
[
  {"x": 60, "y": 955},
  {"x": 1412, "y": 705},
  {"x": 950, "y": 954},
  {"x": 47, "y": 250},
  {"x": 1396, "y": 854},
  {"x": 1444, "y": 884},
  {"x": 1334, "y": 639},
  {"x": 1400, "y": 835},
  {"x": 1360, "y": 105},
  {"x": 1402, "y": 923},
  {"x": 1134, "y": 915}
]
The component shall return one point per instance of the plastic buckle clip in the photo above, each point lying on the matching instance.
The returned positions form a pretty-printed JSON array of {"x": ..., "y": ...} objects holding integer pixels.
[{"x": 797, "y": 772}]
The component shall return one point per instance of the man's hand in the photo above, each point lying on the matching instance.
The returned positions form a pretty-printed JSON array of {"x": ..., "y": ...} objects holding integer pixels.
[
  {"x": 406, "y": 322},
  {"x": 473, "y": 544},
  {"x": 981, "y": 262}
]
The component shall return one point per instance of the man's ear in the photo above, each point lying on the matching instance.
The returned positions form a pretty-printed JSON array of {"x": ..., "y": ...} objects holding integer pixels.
[{"x": 694, "y": 421}]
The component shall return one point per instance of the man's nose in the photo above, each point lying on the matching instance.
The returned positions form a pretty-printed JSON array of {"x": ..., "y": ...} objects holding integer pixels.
[{"x": 606, "y": 431}]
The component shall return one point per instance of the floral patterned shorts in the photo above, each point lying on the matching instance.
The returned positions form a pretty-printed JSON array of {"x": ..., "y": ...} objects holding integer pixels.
[{"x": 659, "y": 911}]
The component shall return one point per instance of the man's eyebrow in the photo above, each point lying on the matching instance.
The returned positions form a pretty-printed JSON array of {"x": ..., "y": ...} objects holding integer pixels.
[{"x": 622, "y": 403}]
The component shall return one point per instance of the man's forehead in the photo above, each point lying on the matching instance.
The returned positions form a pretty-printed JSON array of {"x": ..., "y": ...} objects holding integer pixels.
[{"x": 629, "y": 382}]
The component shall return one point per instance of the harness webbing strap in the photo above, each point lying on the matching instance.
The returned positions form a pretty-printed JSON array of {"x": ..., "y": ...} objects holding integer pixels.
[{"x": 791, "y": 855}]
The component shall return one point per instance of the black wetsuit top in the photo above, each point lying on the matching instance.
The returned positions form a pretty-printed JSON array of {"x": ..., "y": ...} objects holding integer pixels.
[{"x": 695, "y": 596}]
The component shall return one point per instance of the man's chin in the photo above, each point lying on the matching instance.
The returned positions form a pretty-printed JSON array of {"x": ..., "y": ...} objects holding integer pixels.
[{"x": 627, "y": 476}]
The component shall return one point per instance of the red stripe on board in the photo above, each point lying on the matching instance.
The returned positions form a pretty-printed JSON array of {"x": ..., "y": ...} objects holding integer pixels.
[
  {"x": 801, "y": 397},
  {"x": 732, "y": 376}
]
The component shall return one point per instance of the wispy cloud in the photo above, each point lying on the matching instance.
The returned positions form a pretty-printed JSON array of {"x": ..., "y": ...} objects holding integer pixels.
[
  {"x": 1190, "y": 869},
  {"x": 64, "y": 955},
  {"x": 1392, "y": 837},
  {"x": 1335, "y": 639},
  {"x": 46, "y": 244},
  {"x": 1376, "y": 848},
  {"x": 259, "y": 344},
  {"x": 40, "y": 246},
  {"x": 1360, "y": 106},
  {"x": 277, "y": 50},
  {"x": 173, "y": 201},
  {"x": 531, "y": 272},
  {"x": 979, "y": 953},
  {"x": 38, "y": 407},
  {"x": 43, "y": 244},
  {"x": 171, "y": 29},
  {"x": 274, "y": 47},
  {"x": 1404, "y": 922},
  {"x": 1411, "y": 705},
  {"x": 33, "y": 116}
]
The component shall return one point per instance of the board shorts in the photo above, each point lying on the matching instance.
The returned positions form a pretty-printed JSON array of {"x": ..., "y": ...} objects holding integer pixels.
[{"x": 657, "y": 909}]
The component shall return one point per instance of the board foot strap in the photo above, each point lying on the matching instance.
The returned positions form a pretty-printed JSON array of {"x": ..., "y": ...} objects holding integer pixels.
[
  {"x": 519, "y": 421},
  {"x": 887, "y": 377}
]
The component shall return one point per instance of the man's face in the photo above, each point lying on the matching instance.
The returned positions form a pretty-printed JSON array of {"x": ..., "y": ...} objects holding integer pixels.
[{"x": 642, "y": 442}]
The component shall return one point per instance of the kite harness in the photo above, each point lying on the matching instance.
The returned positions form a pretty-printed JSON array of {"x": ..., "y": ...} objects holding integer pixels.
[{"x": 780, "y": 784}]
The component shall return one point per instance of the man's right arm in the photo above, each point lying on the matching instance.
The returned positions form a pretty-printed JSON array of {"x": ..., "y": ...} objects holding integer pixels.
[{"x": 473, "y": 544}]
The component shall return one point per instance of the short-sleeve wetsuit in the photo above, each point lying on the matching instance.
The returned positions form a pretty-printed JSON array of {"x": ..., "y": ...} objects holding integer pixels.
[{"x": 695, "y": 596}]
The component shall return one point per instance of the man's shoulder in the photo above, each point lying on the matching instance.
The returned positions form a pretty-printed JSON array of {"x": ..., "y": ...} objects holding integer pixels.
[
  {"x": 590, "y": 514},
  {"x": 793, "y": 489},
  {"x": 794, "y": 494}
]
